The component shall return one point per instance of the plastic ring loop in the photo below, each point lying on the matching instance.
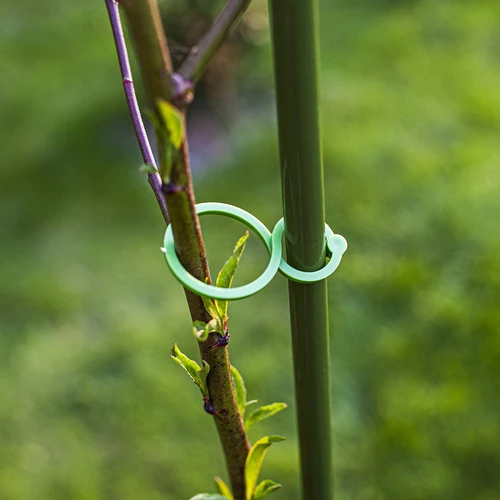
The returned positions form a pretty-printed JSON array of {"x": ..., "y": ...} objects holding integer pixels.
[
  {"x": 200, "y": 288},
  {"x": 336, "y": 246}
]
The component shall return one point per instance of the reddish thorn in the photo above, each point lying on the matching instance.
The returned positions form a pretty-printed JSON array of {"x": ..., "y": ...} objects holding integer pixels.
[
  {"x": 208, "y": 407},
  {"x": 222, "y": 341}
]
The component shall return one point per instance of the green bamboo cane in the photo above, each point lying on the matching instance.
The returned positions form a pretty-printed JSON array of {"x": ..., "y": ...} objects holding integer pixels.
[{"x": 295, "y": 33}]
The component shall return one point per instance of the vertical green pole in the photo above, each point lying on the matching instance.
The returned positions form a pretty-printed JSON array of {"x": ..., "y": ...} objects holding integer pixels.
[{"x": 295, "y": 41}]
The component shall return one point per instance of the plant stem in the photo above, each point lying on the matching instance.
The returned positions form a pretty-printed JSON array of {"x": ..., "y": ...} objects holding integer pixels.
[
  {"x": 294, "y": 31},
  {"x": 151, "y": 47},
  {"x": 196, "y": 62},
  {"x": 128, "y": 86},
  {"x": 154, "y": 59}
]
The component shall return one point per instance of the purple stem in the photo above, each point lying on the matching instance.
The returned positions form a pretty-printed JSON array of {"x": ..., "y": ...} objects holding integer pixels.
[{"x": 154, "y": 179}]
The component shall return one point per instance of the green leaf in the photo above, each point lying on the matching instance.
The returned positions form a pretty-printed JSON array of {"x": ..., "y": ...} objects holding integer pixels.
[
  {"x": 251, "y": 402},
  {"x": 173, "y": 122},
  {"x": 201, "y": 330},
  {"x": 197, "y": 374},
  {"x": 203, "y": 373},
  {"x": 209, "y": 496},
  {"x": 191, "y": 367},
  {"x": 262, "y": 413},
  {"x": 226, "y": 275},
  {"x": 214, "y": 312},
  {"x": 170, "y": 134},
  {"x": 240, "y": 389},
  {"x": 254, "y": 460},
  {"x": 264, "y": 488},
  {"x": 147, "y": 168},
  {"x": 223, "y": 488}
]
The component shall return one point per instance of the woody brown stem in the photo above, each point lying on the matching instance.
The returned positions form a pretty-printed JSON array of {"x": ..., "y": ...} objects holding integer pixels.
[{"x": 151, "y": 47}]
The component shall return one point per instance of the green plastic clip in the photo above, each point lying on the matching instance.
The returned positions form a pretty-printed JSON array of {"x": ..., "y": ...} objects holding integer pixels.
[{"x": 336, "y": 246}]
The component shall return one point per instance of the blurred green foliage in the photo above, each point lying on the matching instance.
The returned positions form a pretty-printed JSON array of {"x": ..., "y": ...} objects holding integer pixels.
[{"x": 93, "y": 408}]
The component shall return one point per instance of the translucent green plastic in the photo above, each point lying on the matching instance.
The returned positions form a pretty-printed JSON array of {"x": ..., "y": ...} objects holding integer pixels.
[{"x": 336, "y": 246}]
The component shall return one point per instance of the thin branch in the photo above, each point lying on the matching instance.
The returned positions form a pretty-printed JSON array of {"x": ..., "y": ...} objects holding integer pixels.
[
  {"x": 128, "y": 85},
  {"x": 151, "y": 47},
  {"x": 201, "y": 54}
]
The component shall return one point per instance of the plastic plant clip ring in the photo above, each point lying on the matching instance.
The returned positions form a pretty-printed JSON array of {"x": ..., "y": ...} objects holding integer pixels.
[
  {"x": 240, "y": 292},
  {"x": 336, "y": 246}
]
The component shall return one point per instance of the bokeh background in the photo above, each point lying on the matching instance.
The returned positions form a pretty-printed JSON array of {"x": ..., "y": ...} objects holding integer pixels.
[{"x": 92, "y": 407}]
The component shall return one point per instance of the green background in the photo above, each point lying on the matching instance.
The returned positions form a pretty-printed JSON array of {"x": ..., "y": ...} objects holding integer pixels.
[{"x": 92, "y": 407}]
